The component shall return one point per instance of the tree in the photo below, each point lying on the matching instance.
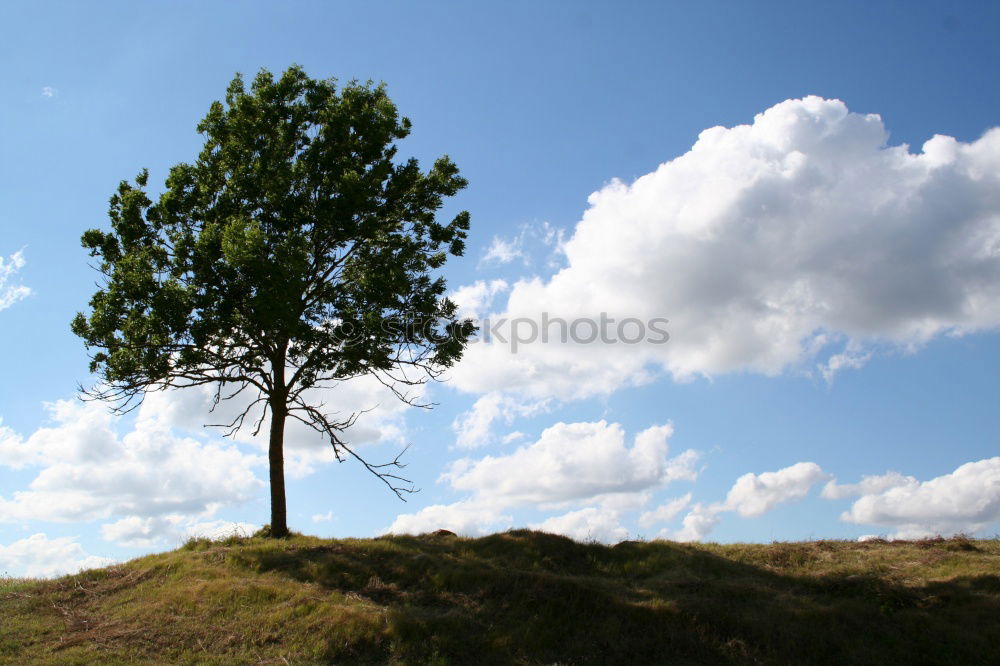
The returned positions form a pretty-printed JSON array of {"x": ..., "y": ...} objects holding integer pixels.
[{"x": 295, "y": 252}]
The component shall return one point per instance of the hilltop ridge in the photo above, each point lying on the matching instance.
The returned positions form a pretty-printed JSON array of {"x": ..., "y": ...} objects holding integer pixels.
[{"x": 518, "y": 597}]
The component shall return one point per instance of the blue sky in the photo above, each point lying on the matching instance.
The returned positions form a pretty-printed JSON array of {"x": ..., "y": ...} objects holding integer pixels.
[{"x": 832, "y": 296}]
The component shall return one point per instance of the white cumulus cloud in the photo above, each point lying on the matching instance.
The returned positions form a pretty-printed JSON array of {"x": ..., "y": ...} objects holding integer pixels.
[
  {"x": 469, "y": 518},
  {"x": 89, "y": 472},
  {"x": 698, "y": 523},
  {"x": 966, "y": 500},
  {"x": 474, "y": 300},
  {"x": 173, "y": 529},
  {"x": 587, "y": 467},
  {"x": 754, "y": 495},
  {"x": 800, "y": 237},
  {"x": 665, "y": 512},
  {"x": 381, "y": 418},
  {"x": 474, "y": 428},
  {"x": 38, "y": 556},
  {"x": 869, "y": 485},
  {"x": 575, "y": 462},
  {"x": 588, "y": 524}
]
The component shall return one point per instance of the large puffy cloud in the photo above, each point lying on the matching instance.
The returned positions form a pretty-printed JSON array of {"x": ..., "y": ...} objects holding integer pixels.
[
  {"x": 88, "y": 472},
  {"x": 41, "y": 557},
  {"x": 768, "y": 246},
  {"x": 584, "y": 465},
  {"x": 158, "y": 484},
  {"x": 575, "y": 462},
  {"x": 11, "y": 293},
  {"x": 966, "y": 500}
]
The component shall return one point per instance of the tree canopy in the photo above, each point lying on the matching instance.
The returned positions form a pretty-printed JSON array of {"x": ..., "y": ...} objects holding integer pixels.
[{"x": 295, "y": 252}]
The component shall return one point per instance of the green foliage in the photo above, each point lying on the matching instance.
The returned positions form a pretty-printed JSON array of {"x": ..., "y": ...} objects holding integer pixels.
[
  {"x": 517, "y": 598},
  {"x": 295, "y": 231}
]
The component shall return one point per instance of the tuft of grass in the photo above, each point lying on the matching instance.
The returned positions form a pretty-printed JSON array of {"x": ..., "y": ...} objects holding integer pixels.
[{"x": 519, "y": 597}]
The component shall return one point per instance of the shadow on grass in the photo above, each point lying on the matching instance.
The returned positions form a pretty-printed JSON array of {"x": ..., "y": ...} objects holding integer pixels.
[{"x": 528, "y": 597}]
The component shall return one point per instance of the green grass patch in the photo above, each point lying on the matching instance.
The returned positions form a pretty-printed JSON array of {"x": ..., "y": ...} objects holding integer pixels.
[{"x": 519, "y": 597}]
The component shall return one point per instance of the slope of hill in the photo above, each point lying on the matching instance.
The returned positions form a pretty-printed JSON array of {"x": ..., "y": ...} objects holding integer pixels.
[{"x": 518, "y": 597}]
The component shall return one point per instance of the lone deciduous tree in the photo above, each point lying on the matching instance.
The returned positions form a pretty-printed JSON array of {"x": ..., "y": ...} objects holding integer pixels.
[{"x": 296, "y": 252}]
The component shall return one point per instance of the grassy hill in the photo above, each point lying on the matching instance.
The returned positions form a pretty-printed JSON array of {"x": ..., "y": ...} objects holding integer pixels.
[{"x": 519, "y": 597}]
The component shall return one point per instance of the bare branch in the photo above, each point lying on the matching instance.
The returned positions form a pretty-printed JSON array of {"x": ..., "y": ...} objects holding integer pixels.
[{"x": 321, "y": 423}]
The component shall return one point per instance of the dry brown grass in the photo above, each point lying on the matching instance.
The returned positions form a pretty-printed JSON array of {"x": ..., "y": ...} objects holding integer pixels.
[{"x": 518, "y": 597}]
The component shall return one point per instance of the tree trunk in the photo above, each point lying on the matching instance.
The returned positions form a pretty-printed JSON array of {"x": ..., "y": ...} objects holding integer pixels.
[{"x": 276, "y": 458}]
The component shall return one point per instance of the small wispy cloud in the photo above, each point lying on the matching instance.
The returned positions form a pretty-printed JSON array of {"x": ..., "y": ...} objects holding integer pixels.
[
  {"x": 49, "y": 91},
  {"x": 503, "y": 251},
  {"x": 751, "y": 496},
  {"x": 529, "y": 238},
  {"x": 11, "y": 293},
  {"x": 851, "y": 358}
]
